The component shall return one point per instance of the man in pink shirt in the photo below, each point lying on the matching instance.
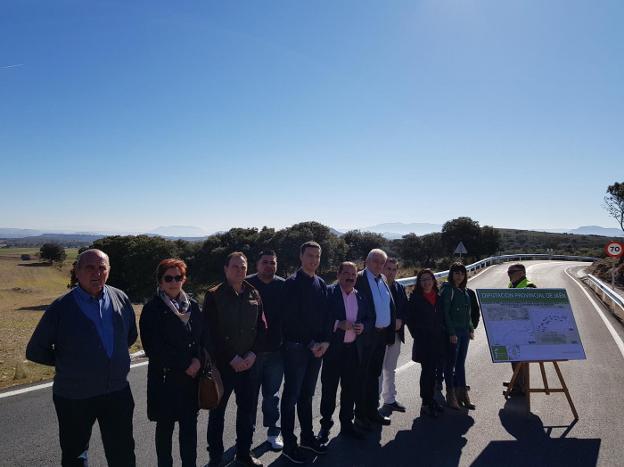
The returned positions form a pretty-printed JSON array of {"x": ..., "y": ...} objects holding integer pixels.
[{"x": 343, "y": 362}]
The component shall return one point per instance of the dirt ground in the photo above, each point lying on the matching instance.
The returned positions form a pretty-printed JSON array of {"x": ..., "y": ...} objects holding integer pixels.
[{"x": 26, "y": 289}]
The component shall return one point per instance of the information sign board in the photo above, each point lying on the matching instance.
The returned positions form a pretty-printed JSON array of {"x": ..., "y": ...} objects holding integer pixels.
[{"x": 530, "y": 324}]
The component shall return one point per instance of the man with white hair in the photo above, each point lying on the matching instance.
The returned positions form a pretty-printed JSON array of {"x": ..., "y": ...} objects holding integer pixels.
[
  {"x": 373, "y": 286},
  {"x": 85, "y": 335}
]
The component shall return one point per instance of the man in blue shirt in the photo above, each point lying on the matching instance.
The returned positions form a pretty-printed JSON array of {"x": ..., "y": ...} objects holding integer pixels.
[{"x": 85, "y": 335}]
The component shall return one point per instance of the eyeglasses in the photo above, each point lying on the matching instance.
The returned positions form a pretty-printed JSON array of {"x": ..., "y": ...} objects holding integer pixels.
[
  {"x": 512, "y": 271},
  {"x": 173, "y": 278}
]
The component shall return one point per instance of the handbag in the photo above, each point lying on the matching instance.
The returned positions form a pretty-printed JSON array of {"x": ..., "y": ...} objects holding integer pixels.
[{"x": 210, "y": 387}]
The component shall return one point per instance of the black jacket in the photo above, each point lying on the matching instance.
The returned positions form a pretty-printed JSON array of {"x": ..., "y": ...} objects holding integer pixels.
[
  {"x": 475, "y": 310},
  {"x": 362, "y": 285},
  {"x": 170, "y": 346},
  {"x": 400, "y": 299},
  {"x": 337, "y": 312},
  {"x": 426, "y": 324}
]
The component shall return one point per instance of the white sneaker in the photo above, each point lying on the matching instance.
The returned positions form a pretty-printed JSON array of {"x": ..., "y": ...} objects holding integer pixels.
[{"x": 276, "y": 442}]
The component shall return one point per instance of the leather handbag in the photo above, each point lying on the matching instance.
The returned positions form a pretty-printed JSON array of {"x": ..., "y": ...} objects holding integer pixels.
[{"x": 210, "y": 387}]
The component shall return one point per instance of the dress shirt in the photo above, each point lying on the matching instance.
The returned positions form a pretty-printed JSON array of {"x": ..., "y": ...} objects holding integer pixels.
[
  {"x": 381, "y": 299},
  {"x": 351, "y": 309},
  {"x": 100, "y": 311}
]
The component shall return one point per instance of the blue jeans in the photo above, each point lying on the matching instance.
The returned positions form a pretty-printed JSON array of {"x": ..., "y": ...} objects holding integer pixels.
[
  {"x": 270, "y": 373},
  {"x": 455, "y": 372},
  {"x": 301, "y": 369}
]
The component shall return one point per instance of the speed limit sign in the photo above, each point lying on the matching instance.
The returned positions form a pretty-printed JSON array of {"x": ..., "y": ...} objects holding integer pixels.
[{"x": 614, "y": 249}]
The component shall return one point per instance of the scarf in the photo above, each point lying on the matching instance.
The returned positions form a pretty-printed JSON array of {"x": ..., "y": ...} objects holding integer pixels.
[
  {"x": 181, "y": 306},
  {"x": 431, "y": 297}
]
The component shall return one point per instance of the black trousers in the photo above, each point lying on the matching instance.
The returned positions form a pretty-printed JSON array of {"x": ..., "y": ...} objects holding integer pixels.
[
  {"x": 187, "y": 436},
  {"x": 427, "y": 380},
  {"x": 243, "y": 384},
  {"x": 373, "y": 367},
  {"x": 341, "y": 365},
  {"x": 113, "y": 413}
]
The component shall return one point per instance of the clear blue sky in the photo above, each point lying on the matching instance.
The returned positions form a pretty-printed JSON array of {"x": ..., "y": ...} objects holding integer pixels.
[{"x": 123, "y": 115}]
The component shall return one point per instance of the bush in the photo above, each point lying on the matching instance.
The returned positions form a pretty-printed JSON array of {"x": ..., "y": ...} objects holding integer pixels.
[{"x": 52, "y": 252}]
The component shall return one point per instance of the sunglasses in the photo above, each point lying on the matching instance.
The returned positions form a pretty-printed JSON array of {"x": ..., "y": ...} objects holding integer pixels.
[
  {"x": 173, "y": 278},
  {"x": 512, "y": 271}
]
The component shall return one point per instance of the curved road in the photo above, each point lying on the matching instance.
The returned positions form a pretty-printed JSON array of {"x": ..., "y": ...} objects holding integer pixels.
[{"x": 497, "y": 433}]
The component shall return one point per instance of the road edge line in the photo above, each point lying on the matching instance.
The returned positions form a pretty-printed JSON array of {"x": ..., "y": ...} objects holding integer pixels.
[
  {"x": 17, "y": 392},
  {"x": 618, "y": 340}
]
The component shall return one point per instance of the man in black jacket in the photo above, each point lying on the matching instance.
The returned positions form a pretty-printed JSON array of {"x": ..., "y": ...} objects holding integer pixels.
[
  {"x": 344, "y": 359},
  {"x": 233, "y": 312},
  {"x": 270, "y": 360},
  {"x": 373, "y": 286},
  {"x": 306, "y": 339},
  {"x": 388, "y": 386}
]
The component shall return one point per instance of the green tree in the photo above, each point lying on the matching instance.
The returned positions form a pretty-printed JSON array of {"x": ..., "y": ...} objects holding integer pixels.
[
  {"x": 411, "y": 249},
  {"x": 52, "y": 252},
  {"x": 614, "y": 202},
  {"x": 360, "y": 243},
  {"x": 462, "y": 229},
  {"x": 489, "y": 241}
]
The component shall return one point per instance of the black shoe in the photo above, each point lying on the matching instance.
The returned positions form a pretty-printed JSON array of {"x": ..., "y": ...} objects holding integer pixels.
[
  {"x": 351, "y": 431},
  {"x": 294, "y": 455},
  {"x": 216, "y": 462},
  {"x": 395, "y": 407},
  {"x": 379, "y": 419},
  {"x": 437, "y": 407},
  {"x": 428, "y": 410},
  {"x": 314, "y": 446},
  {"x": 323, "y": 436},
  {"x": 248, "y": 460},
  {"x": 362, "y": 424}
]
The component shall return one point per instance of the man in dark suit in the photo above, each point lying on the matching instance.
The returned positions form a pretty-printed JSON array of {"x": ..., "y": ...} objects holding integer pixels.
[
  {"x": 352, "y": 319},
  {"x": 374, "y": 288}
]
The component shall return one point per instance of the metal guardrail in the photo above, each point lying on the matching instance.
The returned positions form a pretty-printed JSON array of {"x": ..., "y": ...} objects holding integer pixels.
[
  {"x": 609, "y": 296},
  {"x": 475, "y": 267}
]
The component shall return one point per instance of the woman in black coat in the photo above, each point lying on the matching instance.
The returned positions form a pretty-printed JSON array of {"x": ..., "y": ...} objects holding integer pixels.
[
  {"x": 171, "y": 332},
  {"x": 425, "y": 321}
]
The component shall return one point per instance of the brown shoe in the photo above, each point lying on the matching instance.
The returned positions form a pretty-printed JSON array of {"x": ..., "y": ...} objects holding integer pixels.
[
  {"x": 451, "y": 400},
  {"x": 463, "y": 398}
]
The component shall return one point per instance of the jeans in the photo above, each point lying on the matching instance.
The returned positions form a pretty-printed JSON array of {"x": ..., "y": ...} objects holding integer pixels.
[
  {"x": 301, "y": 369},
  {"x": 187, "y": 437},
  {"x": 455, "y": 372},
  {"x": 243, "y": 384},
  {"x": 270, "y": 374},
  {"x": 113, "y": 412}
]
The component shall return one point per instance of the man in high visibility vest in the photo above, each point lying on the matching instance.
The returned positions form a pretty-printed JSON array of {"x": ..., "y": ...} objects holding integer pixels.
[{"x": 518, "y": 280}]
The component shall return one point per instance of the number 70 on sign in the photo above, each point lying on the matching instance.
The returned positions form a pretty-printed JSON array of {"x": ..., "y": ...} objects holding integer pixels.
[{"x": 614, "y": 249}]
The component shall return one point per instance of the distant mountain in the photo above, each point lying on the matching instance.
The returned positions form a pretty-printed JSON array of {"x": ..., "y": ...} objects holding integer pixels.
[
  {"x": 393, "y": 230},
  {"x": 179, "y": 231},
  {"x": 588, "y": 230},
  {"x": 18, "y": 233}
]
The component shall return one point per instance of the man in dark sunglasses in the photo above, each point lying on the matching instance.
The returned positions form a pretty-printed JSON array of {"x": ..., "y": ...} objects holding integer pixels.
[{"x": 518, "y": 280}]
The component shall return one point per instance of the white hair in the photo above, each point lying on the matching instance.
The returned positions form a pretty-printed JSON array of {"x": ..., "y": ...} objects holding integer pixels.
[
  {"x": 375, "y": 252},
  {"x": 91, "y": 251}
]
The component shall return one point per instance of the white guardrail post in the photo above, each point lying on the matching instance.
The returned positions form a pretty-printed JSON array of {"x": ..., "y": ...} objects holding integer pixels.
[{"x": 609, "y": 296}]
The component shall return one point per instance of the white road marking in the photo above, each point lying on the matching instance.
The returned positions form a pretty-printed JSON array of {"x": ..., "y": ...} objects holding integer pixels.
[
  {"x": 16, "y": 392},
  {"x": 611, "y": 329}
]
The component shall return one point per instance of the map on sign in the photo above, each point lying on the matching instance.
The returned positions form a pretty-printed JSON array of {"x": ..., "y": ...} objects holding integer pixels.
[{"x": 530, "y": 325}]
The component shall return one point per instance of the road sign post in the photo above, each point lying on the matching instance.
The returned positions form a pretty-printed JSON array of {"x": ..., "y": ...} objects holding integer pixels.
[
  {"x": 614, "y": 250},
  {"x": 460, "y": 249}
]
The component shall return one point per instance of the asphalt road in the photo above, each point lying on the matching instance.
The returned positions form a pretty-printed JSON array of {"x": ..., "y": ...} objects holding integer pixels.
[{"x": 497, "y": 433}]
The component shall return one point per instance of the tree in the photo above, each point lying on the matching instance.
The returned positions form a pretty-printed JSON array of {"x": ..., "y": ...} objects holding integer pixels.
[
  {"x": 360, "y": 243},
  {"x": 52, "y": 252},
  {"x": 462, "y": 229},
  {"x": 489, "y": 241},
  {"x": 410, "y": 249},
  {"x": 614, "y": 202}
]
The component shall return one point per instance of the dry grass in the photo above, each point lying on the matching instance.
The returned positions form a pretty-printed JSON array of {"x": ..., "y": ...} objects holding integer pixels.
[{"x": 26, "y": 289}]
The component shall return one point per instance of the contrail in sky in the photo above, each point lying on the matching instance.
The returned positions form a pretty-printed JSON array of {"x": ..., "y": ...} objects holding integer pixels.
[{"x": 12, "y": 66}]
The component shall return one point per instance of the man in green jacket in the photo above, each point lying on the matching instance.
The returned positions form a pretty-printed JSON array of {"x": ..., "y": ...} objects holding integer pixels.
[{"x": 518, "y": 280}]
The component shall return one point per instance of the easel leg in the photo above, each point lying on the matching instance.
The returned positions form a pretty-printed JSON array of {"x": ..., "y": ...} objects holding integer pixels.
[
  {"x": 527, "y": 385},
  {"x": 543, "y": 370},
  {"x": 514, "y": 377},
  {"x": 566, "y": 391}
]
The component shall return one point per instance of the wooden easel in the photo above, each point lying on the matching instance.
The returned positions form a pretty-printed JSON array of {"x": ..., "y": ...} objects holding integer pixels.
[{"x": 527, "y": 383}]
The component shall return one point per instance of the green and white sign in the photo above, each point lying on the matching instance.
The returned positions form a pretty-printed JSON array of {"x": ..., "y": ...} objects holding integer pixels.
[{"x": 530, "y": 325}]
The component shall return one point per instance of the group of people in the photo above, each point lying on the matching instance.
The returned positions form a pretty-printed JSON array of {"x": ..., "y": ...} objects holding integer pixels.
[{"x": 259, "y": 330}]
